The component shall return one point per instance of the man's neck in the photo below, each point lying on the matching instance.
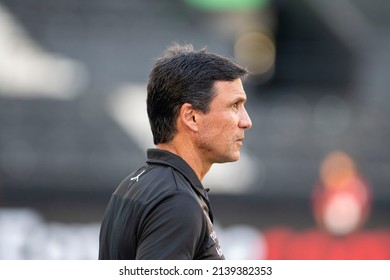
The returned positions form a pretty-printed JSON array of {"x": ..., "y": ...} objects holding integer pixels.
[{"x": 186, "y": 151}]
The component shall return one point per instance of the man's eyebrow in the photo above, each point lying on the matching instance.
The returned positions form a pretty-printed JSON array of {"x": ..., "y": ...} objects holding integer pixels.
[{"x": 240, "y": 98}]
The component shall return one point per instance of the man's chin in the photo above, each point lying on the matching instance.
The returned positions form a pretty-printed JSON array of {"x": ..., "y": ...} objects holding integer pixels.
[{"x": 232, "y": 158}]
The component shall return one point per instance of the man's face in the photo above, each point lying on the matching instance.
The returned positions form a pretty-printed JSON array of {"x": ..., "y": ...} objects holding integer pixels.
[{"x": 221, "y": 130}]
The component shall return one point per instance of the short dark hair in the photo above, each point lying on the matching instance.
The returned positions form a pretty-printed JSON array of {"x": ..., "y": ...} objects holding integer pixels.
[{"x": 183, "y": 75}]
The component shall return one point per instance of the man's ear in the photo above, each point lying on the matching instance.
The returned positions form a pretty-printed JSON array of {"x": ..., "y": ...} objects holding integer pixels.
[{"x": 189, "y": 116}]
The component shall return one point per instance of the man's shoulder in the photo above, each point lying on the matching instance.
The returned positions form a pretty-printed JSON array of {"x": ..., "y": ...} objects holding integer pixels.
[{"x": 152, "y": 182}]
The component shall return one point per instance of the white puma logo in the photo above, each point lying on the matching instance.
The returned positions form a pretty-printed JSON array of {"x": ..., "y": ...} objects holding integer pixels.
[{"x": 136, "y": 177}]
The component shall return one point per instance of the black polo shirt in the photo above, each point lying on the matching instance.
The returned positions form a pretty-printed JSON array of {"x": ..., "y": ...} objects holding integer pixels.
[{"x": 161, "y": 211}]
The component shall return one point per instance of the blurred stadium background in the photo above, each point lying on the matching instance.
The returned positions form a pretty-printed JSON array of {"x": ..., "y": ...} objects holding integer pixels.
[{"x": 73, "y": 121}]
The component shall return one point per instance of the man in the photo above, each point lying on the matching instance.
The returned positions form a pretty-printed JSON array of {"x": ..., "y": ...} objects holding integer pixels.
[{"x": 195, "y": 104}]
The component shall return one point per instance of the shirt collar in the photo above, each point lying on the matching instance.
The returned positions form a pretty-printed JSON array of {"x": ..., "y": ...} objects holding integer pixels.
[{"x": 165, "y": 157}]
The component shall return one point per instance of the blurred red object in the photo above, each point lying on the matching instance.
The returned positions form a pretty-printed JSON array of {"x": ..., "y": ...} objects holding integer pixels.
[
  {"x": 315, "y": 244},
  {"x": 341, "y": 200},
  {"x": 341, "y": 203}
]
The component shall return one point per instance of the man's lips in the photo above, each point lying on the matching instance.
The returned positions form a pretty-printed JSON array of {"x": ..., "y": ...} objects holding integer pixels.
[{"x": 240, "y": 140}]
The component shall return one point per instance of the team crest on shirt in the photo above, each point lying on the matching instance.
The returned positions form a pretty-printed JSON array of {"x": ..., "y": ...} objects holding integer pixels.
[
  {"x": 214, "y": 237},
  {"x": 212, "y": 233}
]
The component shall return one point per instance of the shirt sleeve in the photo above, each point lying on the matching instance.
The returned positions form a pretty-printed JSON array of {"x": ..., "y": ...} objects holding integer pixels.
[{"x": 172, "y": 229}]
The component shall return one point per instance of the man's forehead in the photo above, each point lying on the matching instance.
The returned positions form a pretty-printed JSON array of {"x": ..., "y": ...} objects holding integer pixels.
[
  {"x": 229, "y": 85},
  {"x": 231, "y": 88}
]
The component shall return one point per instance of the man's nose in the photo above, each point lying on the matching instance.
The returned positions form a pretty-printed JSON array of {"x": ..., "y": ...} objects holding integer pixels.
[{"x": 245, "y": 121}]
